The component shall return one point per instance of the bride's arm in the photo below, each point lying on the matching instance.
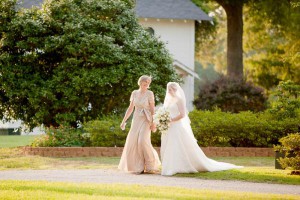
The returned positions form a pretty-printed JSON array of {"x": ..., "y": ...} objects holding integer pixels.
[{"x": 181, "y": 111}]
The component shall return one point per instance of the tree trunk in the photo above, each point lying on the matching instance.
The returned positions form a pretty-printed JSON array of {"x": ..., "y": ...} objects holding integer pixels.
[{"x": 234, "y": 14}]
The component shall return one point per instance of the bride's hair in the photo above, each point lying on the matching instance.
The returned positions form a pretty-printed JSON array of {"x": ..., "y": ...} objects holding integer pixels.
[
  {"x": 144, "y": 78},
  {"x": 179, "y": 94},
  {"x": 173, "y": 85}
]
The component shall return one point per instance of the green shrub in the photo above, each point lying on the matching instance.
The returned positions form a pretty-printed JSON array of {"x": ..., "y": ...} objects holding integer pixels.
[
  {"x": 106, "y": 131},
  {"x": 244, "y": 129},
  {"x": 287, "y": 100},
  {"x": 62, "y": 137},
  {"x": 231, "y": 95},
  {"x": 156, "y": 139},
  {"x": 290, "y": 145}
]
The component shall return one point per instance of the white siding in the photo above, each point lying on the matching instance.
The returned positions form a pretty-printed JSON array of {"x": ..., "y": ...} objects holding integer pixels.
[
  {"x": 179, "y": 37},
  {"x": 17, "y": 124}
]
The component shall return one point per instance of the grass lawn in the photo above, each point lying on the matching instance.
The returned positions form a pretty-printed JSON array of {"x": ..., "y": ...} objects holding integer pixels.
[
  {"x": 257, "y": 169},
  {"x": 31, "y": 190},
  {"x": 15, "y": 140}
]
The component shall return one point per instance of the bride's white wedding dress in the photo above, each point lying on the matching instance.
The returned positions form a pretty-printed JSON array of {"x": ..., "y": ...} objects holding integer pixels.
[{"x": 180, "y": 152}]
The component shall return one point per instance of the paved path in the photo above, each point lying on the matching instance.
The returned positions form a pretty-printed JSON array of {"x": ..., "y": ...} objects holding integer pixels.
[{"x": 114, "y": 176}]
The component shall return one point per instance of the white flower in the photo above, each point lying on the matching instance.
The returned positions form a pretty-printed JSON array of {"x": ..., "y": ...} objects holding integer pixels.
[{"x": 162, "y": 120}]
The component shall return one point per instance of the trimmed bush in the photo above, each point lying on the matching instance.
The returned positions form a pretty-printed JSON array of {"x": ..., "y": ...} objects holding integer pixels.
[
  {"x": 106, "y": 132},
  {"x": 62, "y": 137},
  {"x": 290, "y": 145},
  {"x": 211, "y": 128},
  {"x": 245, "y": 129}
]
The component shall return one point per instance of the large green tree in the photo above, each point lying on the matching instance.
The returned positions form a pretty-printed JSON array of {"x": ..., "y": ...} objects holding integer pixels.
[
  {"x": 272, "y": 46},
  {"x": 75, "y": 59},
  {"x": 234, "y": 12},
  {"x": 271, "y": 10}
]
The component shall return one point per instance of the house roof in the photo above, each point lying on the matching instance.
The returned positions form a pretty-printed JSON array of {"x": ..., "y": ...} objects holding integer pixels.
[
  {"x": 30, "y": 3},
  {"x": 163, "y": 9},
  {"x": 170, "y": 9},
  {"x": 185, "y": 68}
]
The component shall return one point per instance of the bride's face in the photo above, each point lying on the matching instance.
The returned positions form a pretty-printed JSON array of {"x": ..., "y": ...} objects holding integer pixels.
[{"x": 172, "y": 91}]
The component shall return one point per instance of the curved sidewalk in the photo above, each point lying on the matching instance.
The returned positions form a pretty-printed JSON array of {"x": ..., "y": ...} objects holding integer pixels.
[{"x": 114, "y": 176}]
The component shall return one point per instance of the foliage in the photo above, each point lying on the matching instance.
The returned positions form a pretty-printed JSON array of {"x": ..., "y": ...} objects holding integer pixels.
[
  {"x": 7, "y": 12},
  {"x": 210, "y": 46},
  {"x": 205, "y": 30},
  {"x": 106, "y": 132},
  {"x": 290, "y": 144},
  {"x": 230, "y": 95},
  {"x": 245, "y": 129},
  {"x": 271, "y": 42},
  {"x": 62, "y": 137},
  {"x": 75, "y": 60},
  {"x": 287, "y": 102},
  {"x": 272, "y": 46},
  {"x": 205, "y": 74}
]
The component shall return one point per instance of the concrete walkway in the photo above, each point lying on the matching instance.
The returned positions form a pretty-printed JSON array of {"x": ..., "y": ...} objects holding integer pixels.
[{"x": 115, "y": 176}]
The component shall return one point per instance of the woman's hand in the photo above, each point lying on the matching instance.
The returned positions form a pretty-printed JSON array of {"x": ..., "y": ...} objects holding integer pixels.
[
  {"x": 153, "y": 127},
  {"x": 122, "y": 126}
]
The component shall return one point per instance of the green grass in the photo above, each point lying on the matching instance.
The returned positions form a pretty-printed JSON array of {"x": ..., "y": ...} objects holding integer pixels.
[
  {"x": 257, "y": 169},
  {"x": 250, "y": 174},
  {"x": 15, "y": 140},
  {"x": 31, "y": 190},
  {"x": 12, "y": 158}
]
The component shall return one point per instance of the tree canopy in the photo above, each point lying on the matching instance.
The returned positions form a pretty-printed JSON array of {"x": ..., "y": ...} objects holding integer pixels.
[
  {"x": 270, "y": 42},
  {"x": 274, "y": 17},
  {"x": 73, "y": 60}
]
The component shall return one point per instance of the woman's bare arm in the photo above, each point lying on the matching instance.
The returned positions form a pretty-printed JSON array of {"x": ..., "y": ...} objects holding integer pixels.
[
  {"x": 127, "y": 115},
  {"x": 181, "y": 108}
]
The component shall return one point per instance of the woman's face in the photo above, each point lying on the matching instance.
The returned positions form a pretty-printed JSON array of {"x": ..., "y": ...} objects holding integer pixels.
[
  {"x": 171, "y": 91},
  {"x": 145, "y": 84}
]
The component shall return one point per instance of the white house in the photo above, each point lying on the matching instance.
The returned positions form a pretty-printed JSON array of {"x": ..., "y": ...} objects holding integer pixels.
[{"x": 173, "y": 22}]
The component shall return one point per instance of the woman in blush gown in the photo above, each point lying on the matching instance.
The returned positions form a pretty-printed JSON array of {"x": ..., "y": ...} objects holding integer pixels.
[
  {"x": 180, "y": 152},
  {"x": 138, "y": 155}
]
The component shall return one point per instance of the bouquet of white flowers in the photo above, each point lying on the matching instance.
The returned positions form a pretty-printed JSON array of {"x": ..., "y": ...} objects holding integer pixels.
[{"x": 162, "y": 119}]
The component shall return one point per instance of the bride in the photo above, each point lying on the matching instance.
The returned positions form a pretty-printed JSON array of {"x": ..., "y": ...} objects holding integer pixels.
[{"x": 180, "y": 152}]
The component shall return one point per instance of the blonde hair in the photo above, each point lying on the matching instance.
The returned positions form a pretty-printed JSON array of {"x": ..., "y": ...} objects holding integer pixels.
[{"x": 144, "y": 78}]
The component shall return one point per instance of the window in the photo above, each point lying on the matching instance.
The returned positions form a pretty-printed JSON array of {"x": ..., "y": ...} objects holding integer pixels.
[{"x": 150, "y": 30}]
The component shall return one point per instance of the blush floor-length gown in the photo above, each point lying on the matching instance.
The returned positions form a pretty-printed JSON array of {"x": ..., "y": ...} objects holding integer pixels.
[
  {"x": 138, "y": 153},
  {"x": 180, "y": 152}
]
